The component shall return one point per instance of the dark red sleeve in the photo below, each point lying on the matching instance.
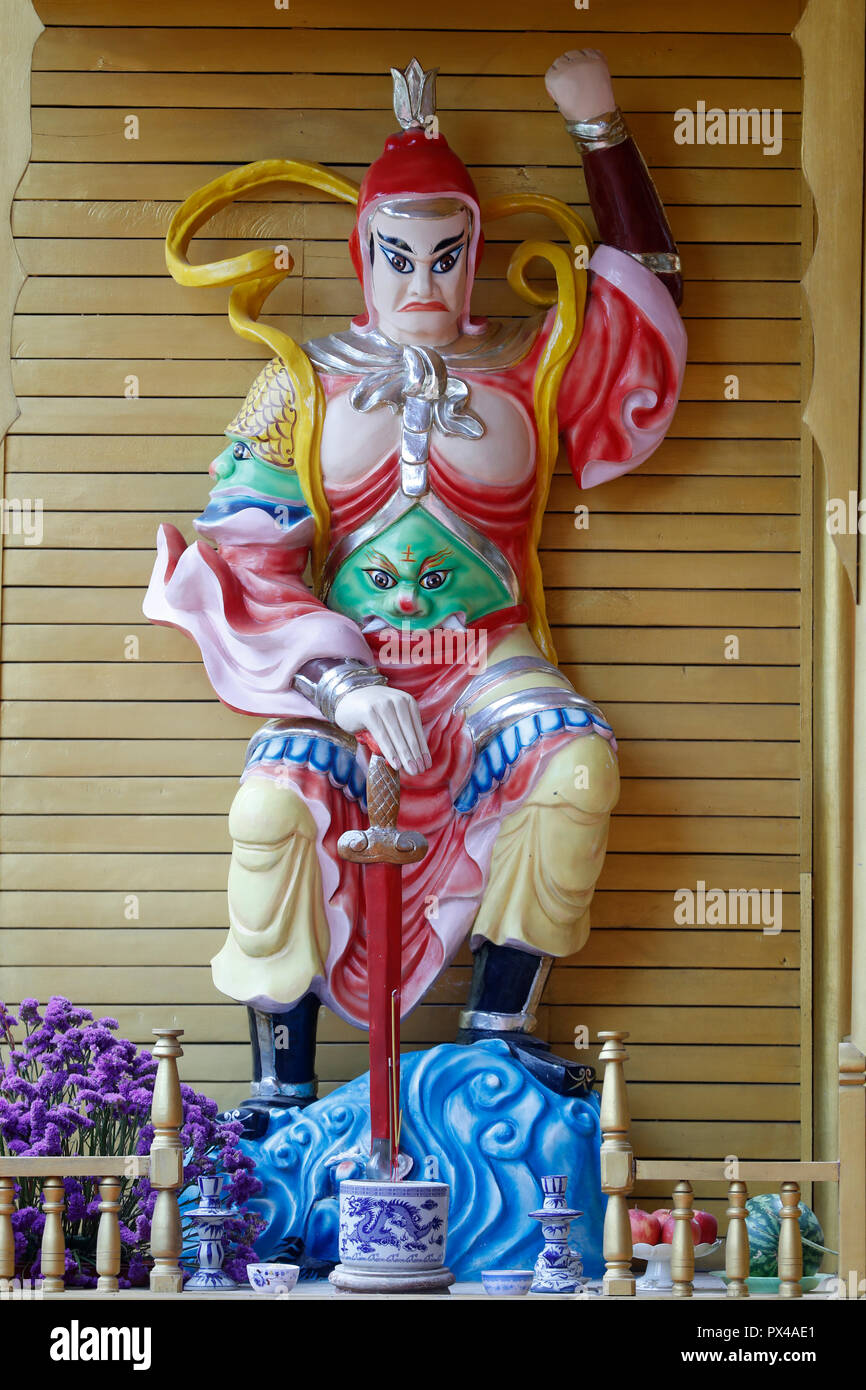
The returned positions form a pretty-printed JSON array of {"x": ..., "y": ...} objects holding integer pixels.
[{"x": 626, "y": 206}]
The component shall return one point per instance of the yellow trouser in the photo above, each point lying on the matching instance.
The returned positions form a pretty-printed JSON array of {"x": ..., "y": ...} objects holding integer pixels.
[
  {"x": 549, "y": 853},
  {"x": 546, "y": 860}
]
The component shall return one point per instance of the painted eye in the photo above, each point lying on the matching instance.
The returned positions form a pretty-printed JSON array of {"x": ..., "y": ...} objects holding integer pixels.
[
  {"x": 447, "y": 261},
  {"x": 434, "y": 579},
  {"x": 240, "y": 451},
  {"x": 381, "y": 579},
  {"x": 400, "y": 263}
]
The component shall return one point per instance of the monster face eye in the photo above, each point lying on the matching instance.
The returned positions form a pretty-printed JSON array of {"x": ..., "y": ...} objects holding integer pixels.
[
  {"x": 381, "y": 579},
  {"x": 240, "y": 451},
  {"x": 433, "y": 579}
]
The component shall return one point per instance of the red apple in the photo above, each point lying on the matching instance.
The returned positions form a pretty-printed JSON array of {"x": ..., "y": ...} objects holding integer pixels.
[
  {"x": 645, "y": 1229},
  {"x": 669, "y": 1226},
  {"x": 709, "y": 1227},
  {"x": 662, "y": 1215}
]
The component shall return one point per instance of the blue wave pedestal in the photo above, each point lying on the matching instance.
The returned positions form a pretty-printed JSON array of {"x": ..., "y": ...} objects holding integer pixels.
[{"x": 494, "y": 1131}]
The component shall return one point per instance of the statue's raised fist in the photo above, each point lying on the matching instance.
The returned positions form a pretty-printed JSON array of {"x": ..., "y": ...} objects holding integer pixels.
[{"x": 579, "y": 82}]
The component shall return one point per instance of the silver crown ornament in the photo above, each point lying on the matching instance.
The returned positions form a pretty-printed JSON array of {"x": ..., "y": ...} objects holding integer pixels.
[{"x": 414, "y": 96}]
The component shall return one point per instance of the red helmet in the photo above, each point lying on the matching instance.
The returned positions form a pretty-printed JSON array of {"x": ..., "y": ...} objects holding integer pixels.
[{"x": 416, "y": 166}]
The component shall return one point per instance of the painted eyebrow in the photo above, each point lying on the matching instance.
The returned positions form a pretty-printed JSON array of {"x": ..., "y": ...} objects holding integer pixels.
[
  {"x": 449, "y": 241},
  {"x": 377, "y": 558},
  {"x": 435, "y": 559},
  {"x": 395, "y": 241},
  {"x": 403, "y": 246}
]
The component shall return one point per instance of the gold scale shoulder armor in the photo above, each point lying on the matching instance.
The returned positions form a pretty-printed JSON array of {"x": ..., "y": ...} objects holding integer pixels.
[{"x": 268, "y": 416}]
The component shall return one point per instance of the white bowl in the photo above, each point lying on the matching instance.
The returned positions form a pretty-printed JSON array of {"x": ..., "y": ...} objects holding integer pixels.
[
  {"x": 506, "y": 1283},
  {"x": 663, "y": 1252},
  {"x": 276, "y": 1280},
  {"x": 658, "y": 1258}
]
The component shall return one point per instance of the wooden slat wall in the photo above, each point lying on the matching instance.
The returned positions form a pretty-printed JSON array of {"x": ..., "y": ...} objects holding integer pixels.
[{"x": 118, "y": 774}]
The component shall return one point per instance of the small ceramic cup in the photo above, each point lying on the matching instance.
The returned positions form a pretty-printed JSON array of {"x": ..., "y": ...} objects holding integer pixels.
[
  {"x": 276, "y": 1280},
  {"x": 506, "y": 1283}
]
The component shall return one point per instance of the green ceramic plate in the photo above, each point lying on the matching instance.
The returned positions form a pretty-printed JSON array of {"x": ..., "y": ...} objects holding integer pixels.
[{"x": 757, "y": 1284}]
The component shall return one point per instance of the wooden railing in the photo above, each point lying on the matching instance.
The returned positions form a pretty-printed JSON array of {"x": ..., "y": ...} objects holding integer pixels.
[
  {"x": 620, "y": 1170},
  {"x": 163, "y": 1165}
]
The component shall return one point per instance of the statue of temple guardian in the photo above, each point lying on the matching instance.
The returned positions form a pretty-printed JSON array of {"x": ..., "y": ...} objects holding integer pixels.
[{"x": 391, "y": 479}]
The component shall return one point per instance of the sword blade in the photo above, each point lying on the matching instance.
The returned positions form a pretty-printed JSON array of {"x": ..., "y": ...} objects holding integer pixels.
[
  {"x": 383, "y": 892},
  {"x": 383, "y": 850}
]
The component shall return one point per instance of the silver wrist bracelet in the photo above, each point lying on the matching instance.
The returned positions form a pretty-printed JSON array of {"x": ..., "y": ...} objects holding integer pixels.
[
  {"x": 600, "y": 133},
  {"x": 659, "y": 262},
  {"x": 342, "y": 677}
]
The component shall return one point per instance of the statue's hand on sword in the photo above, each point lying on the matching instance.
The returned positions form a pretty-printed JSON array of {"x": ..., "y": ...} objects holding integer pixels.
[{"x": 392, "y": 718}]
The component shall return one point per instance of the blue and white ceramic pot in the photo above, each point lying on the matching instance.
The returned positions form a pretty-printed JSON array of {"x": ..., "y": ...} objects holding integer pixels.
[{"x": 393, "y": 1236}]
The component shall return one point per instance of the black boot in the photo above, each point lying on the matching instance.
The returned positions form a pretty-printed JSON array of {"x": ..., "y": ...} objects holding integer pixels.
[
  {"x": 507, "y": 985},
  {"x": 283, "y": 1058}
]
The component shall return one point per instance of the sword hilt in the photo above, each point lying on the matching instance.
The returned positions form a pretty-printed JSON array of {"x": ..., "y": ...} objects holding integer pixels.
[
  {"x": 382, "y": 843},
  {"x": 383, "y": 794}
]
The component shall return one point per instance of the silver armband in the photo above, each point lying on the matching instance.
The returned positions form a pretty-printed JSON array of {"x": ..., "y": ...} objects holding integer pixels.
[
  {"x": 342, "y": 677},
  {"x": 598, "y": 134},
  {"x": 659, "y": 262}
]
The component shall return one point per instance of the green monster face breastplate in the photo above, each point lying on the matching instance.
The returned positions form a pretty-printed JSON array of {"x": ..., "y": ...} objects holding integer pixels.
[{"x": 417, "y": 571}]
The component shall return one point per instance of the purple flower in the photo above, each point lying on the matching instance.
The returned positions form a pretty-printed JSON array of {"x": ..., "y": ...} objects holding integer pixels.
[
  {"x": 28, "y": 1219},
  {"x": 70, "y": 1085},
  {"x": 236, "y": 1264},
  {"x": 8, "y": 1021},
  {"x": 145, "y": 1139},
  {"x": 138, "y": 1270},
  {"x": 242, "y": 1187},
  {"x": 52, "y": 1139},
  {"x": 76, "y": 1204},
  {"x": 28, "y": 1091}
]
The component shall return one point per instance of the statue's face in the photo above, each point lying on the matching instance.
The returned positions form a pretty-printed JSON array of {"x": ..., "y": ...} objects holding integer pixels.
[{"x": 419, "y": 268}]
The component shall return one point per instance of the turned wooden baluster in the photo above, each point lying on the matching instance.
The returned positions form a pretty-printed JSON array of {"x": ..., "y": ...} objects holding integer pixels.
[
  {"x": 617, "y": 1167},
  {"x": 790, "y": 1243},
  {"x": 683, "y": 1244},
  {"x": 166, "y": 1164},
  {"x": 108, "y": 1236},
  {"x": 7, "y": 1241},
  {"x": 852, "y": 1164},
  {"x": 737, "y": 1241},
  {"x": 53, "y": 1256}
]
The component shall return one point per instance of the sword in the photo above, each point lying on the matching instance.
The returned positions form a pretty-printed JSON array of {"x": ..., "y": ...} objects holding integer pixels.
[{"x": 383, "y": 849}]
